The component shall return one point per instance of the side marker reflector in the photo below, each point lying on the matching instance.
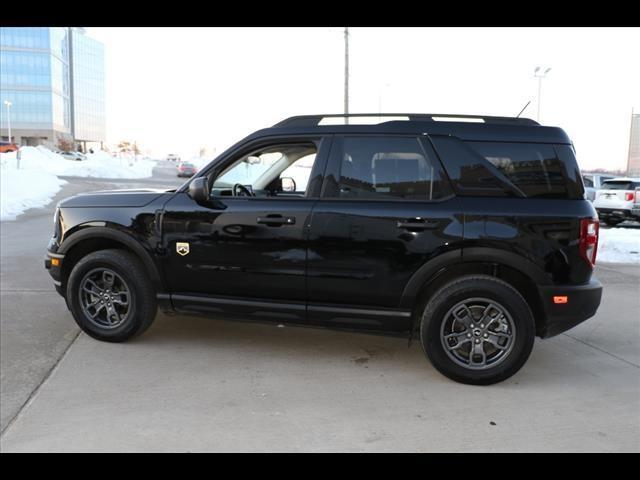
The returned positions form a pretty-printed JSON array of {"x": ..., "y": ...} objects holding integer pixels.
[
  {"x": 55, "y": 262},
  {"x": 560, "y": 299}
]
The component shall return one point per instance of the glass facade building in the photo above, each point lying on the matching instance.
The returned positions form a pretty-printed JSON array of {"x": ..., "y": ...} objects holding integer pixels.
[
  {"x": 37, "y": 78},
  {"x": 87, "y": 73}
]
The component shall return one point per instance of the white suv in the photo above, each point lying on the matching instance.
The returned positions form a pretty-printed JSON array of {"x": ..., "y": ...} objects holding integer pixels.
[
  {"x": 614, "y": 201},
  {"x": 593, "y": 182}
]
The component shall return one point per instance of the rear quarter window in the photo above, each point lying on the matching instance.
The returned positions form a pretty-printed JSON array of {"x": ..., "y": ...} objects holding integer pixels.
[{"x": 532, "y": 170}]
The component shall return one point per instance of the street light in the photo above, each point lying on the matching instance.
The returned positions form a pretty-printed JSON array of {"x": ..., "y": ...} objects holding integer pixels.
[
  {"x": 8, "y": 104},
  {"x": 539, "y": 74}
]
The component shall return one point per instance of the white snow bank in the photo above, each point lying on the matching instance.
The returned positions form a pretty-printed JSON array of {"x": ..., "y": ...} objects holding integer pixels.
[
  {"x": 97, "y": 165},
  {"x": 619, "y": 245},
  {"x": 21, "y": 190},
  {"x": 37, "y": 182}
]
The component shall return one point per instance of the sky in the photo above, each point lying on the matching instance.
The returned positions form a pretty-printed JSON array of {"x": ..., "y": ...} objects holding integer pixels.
[{"x": 177, "y": 90}]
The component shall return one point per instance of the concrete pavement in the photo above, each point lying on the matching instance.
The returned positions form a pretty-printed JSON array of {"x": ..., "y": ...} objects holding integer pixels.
[{"x": 197, "y": 384}]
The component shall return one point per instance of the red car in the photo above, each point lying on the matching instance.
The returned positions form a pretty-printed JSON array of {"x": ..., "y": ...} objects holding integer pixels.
[
  {"x": 6, "y": 147},
  {"x": 187, "y": 169}
]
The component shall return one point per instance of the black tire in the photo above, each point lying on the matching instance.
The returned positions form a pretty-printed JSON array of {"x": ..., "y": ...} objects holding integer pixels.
[
  {"x": 142, "y": 301},
  {"x": 612, "y": 222},
  {"x": 437, "y": 311}
]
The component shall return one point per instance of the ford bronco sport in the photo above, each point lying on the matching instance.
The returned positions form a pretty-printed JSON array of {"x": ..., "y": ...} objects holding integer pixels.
[{"x": 471, "y": 234}]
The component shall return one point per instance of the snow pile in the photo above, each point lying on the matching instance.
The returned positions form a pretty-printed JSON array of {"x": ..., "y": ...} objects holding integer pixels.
[
  {"x": 37, "y": 182},
  {"x": 21, "y": 190},
  {"x": 97, "y": 165},
  {"x": 619, "y": 245}
]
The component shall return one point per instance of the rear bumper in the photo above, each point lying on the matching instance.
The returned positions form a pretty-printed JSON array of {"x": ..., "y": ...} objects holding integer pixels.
[
  {"x": 617, "y": 213},
  {"x": 582, "y": 303}
]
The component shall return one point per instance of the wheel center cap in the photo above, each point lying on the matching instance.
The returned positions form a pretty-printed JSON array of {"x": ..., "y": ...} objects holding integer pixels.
[{"x": 477, "y": 332}]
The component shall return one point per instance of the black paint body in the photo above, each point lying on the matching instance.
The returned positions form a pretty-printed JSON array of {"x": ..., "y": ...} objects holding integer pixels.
[{"x": 342, "y": 263}]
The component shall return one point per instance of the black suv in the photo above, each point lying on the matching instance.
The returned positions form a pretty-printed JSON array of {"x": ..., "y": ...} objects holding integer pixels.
[{"x": 469, "y": 233}]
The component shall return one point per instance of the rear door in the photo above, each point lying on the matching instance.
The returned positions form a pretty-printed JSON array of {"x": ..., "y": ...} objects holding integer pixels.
[{"x": 386, "y": 208}]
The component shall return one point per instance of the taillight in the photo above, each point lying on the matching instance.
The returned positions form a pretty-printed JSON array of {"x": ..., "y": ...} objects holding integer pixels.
[
  {"x": 628, "y": 196},
  {"x": 589, "y": 229}
]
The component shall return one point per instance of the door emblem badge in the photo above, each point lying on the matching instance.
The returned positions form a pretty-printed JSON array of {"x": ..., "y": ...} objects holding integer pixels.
[{"x": 182, "y": 248}]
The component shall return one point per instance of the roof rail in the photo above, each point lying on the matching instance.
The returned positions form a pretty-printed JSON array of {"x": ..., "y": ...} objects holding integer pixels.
[{"x": 314, "y": 120}]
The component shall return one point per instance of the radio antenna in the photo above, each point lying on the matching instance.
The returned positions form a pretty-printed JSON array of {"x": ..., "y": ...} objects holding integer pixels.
[{"x": 517, "y": 116}]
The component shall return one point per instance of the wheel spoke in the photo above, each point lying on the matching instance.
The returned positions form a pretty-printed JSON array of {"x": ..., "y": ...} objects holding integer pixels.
[
  {"x": 118, "y": 298},
  {"x": 95, "y": 285},
  {"x": 495, "y": 338},
  {"x": 108, "y": 278},
  {"x": 98, "y": 309},
  {"x": 467, "y": 319},
  {"x": 477, "y": 349},
  {"x": 460, "y": 337},
  {"x": 491, "y": 313}
]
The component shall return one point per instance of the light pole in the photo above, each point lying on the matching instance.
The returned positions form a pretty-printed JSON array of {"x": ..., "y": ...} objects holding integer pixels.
[
  {"x": 8, "y": 104},
  {"x": 346, "y": 73},
  {"x": 539, "y": 74}
]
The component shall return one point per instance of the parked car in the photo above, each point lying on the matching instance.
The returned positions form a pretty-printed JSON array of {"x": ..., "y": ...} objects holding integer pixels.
[
  {"x": 472, "y": 237},
  {"x": 614, "y": 202},
  {"x": 172, "y": 157},
  {"x": 635, "y": 209},
  {"x": 593, "y": 183},
  {"x": 187, "y": 169},
  {"x": 6, "y": 147},
  {"x": 76, "y": 156}
]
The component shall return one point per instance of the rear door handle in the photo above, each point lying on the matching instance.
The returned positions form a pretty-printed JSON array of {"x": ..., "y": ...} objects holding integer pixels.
[
  {"x": 417, "y": 224},
  {"x": 276, "y": 220}
]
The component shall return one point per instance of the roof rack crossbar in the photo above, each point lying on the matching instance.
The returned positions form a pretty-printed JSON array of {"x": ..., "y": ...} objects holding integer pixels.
[{"x": 314, "y": 120}]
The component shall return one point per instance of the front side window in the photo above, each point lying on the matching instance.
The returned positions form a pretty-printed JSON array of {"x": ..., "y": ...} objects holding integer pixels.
[
  {"x": 386, "y": 168},
  {"x": 271, "y": 171}
]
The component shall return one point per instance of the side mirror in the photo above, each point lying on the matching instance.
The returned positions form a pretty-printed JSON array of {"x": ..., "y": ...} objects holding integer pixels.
[
  {"x": 288, "y": 184},
  {"x": 199, "y": 190}
]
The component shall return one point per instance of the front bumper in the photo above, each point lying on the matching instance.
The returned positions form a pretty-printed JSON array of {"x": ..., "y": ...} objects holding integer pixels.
[
  {"x": 53, "y": 263},
  {"x": 582, "y": 302}
]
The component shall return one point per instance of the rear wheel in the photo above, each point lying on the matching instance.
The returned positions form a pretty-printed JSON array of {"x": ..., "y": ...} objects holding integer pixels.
[
  {"x": 477, "y": 330},
  {"x": 110, "y": 295}
]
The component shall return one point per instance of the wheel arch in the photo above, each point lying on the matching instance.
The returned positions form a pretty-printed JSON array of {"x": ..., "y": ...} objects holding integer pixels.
[
  {"x": 92, "y": 239},
  {"x": 522, "y": 274}
]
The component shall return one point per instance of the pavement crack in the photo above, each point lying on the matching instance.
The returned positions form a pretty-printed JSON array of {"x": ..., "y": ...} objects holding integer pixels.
[
  {"x": 35, "y": 391},
  {"x": 602, "y": 350}
]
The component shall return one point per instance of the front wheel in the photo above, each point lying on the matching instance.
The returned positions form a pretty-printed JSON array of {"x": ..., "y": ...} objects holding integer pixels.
[
  {"x": 477, "y": 330},
  {"x": 110, "y": 295}
]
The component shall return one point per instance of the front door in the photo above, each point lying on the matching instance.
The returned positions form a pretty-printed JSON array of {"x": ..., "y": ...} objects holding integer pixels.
[
  {"x": 386, "y": 208},
  {"x": 244, "y": 252}
]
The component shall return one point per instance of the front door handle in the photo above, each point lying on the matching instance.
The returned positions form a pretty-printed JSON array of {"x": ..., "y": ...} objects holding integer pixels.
[
  {"x": 276, "y": 220},
  {"x": 416, "y": 224}
]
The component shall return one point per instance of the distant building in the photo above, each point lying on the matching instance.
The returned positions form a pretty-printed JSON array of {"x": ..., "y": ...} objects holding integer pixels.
[
  {"x": 54, "y": 79},
  {"x": 633, "y": 164}
]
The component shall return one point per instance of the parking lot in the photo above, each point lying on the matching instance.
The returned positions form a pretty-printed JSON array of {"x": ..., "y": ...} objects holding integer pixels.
[{"x": 198, "y": 384}]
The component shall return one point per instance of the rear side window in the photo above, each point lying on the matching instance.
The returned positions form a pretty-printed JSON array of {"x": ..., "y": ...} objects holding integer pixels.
[
  {"x": 531, "y": 170},
  {"x": 588, "y": 181},
  {"x": 620, "y": 185},
  {"x": 386, "y": 167},
  {"x": 534, "y": 168}
]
